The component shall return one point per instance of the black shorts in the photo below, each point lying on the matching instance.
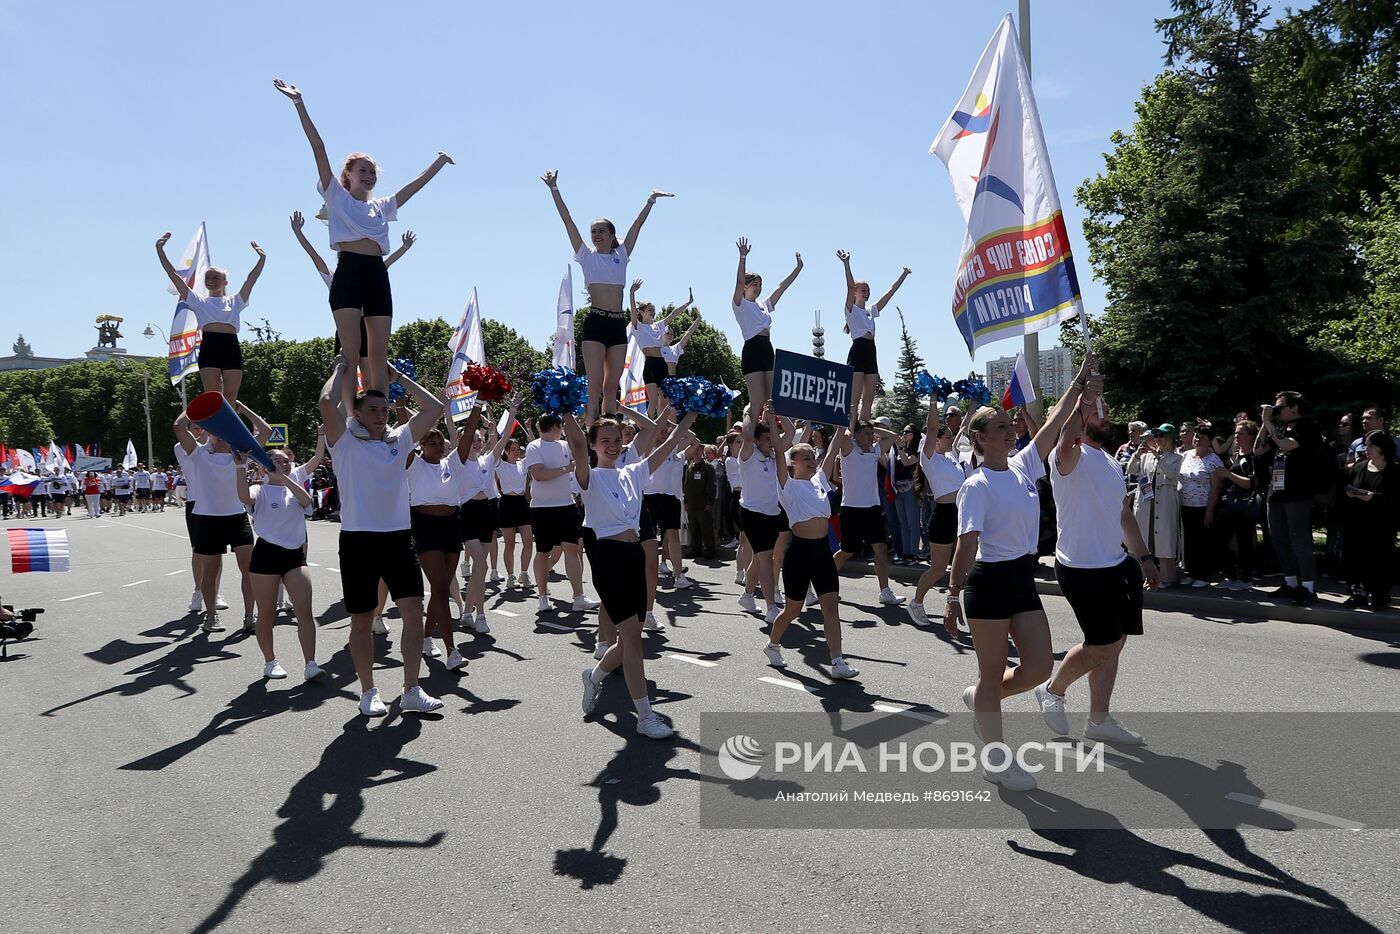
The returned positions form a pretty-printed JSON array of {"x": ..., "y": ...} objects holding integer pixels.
[
  {"x": 620, "y": 577},
  {"x": 665, "y": 511},
  {"x": 366, "y": 558},
  {"x": 274, "y": 559},
  {"x": 220, "y": 350},
  {"x": 762, "y": 529},
  {"x": 143, "y": 494},
  {"x": 757, "y": 355},
  {"x": 189, "y": 519},
  {"x": 809, "y": 561},
  {"x": 362, "y": 282},
  {"x": 861, "y": 357},
  {"x": 646, "y": 527},
  {"x": 495, "y": 502},
  {"x": 604, "y": 327},
  {"x": 44, "y": 497},
  {"x": 513, "y": 511},
  {"x": 364, "y": 340},
  {"x": 214, "y": 534},
  {"x": 1106, "y": 601},
  {"x": 654, "y": 370},
  {"x": 435, "y": 533},
  {"x": 943, "y": 524},
  {"x": 861, "y": 526},
  {"x": 1001, "y": 589},
  {"x": 478, "y": 521},
  {"x": 554, "y": 526}
]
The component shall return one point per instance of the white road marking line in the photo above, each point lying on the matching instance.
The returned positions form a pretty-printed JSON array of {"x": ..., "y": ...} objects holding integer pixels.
[
  {"x": 555, "y": 626},
  {"x": 173, "y": 573},
  {"x": 784, "y": 683},
  {"x": 1264, "y": 804},
  {"x": 905, "y": 711},
  {"x": 134, "y": 583},
  {"x": 312, "y": 564},
  {"x": 133, "y": 525},
  {"x": 505, "y": 613},
  {"x": 80, "y": 596},
  {"x": 336, "y": 570},
  {"x": 694, "y": 661}
]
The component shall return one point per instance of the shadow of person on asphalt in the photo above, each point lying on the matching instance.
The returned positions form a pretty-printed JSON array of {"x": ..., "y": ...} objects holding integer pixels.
[
  {"x": 1114, "y": 855},
  {"x": 322, "y": 808}
]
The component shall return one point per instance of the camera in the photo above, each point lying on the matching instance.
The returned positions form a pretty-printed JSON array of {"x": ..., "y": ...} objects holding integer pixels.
[{"x": 20, "y": 624}]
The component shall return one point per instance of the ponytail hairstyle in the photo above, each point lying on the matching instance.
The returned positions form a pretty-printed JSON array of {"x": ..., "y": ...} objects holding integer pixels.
[
  {"x": 612, "y": 229},
  {"x": 978, "y": 423},
  {"x": 350, "y": 161}
]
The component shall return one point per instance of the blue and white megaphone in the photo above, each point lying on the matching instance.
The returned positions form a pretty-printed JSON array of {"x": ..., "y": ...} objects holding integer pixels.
[{"x": 211, "y": 411}]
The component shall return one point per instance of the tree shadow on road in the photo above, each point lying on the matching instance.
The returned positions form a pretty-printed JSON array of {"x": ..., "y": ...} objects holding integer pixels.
[{"x": 321, "y": 810}]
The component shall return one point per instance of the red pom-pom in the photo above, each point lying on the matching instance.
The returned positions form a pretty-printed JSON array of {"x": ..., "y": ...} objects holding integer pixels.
[{"x": 489, "y": 383}]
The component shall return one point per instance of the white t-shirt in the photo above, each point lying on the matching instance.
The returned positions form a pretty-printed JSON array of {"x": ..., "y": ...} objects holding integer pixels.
[
  {"x": 1193, "y": 481},
  {"x": 183, "y": 460},
  {"x": 759, "y": 478},
  {"x": 806, "y": 499},
  {"x": 670, "y": 476},
  {"x": 373, "y": 483},
  {"x": 1004, "y": 507},
  {"x": 671, "y": 353},
  {"x": 602, "y": 268},
  {"x": 861, "y": 321},
  {"x": 612, "y": 503},
  {"x": 754, "y": 317},
  {"x": 648, "y": 335},
  {"x": 121, "y": 483},
  {"x": 432, "y": 484},
  {"x": 351, "y": 219},
  {"x": 510, "y": 478},
  {"x": 159, "y": 481},
  {"x": 216, "y": 477},
  {"x": 731, "y": 472},
  {"x": 1088, "y": 510},
  {"x": 475, "y": 477},
  {"x": 549, "y": 454},
  {"x": 944, "y": 474},
  {"x": 143, "y": 479},
  {"x": 277, "y": 516},
  {"x": 860, "y": 478},
  {"x": 216, "y": 310}
]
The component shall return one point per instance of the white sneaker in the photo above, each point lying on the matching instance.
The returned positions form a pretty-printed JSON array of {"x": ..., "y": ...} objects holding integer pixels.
[
  {"x": 352, "y": 425},
  {"x": 583, "y": 603},
  {"x": 590, "y": 692},
  {"x": 682, "y": 582},
  {"x": 285, "y": 606},
  {"x": 416, "y": 700},
  {"x": 211, "y": 622},
  {"x": 1184, "y": 581},
  {"x": 748, "y": 603},
  {"x": 1012, "y": 777},
  {"x": 196, "y": 602},
  {"x": 917, "y": 615},
  {"x": 495, "y": 577},
  {"x": 652, "y": 623},
  {"x": 888, "y": 598},
  {"x": 771, "y": 615},
  {"x": 740, "y": 576},
  {"x": 545, "y": 605},
  {"x": 273, "y": 670},
  {"x": 312, "y": 672},
  {"x": 250, "y": 623},
  {"x": 812, "y": 598},
  {"x": 371, "y": 705},
  {"x": 456, "y": 660},
  {"x": 653, "y": 727},
  {"x": 1199, "y": 584},
  {"x": 430, "y": 649},
  {"x": 664, "y": 569},
  {"x": 600, "y": 649},
  {"x": 774, "y": 654},
  {"x": 479, "y": 625},
  {"x": 510, "y": 582},
  {"x": 1052, "y": 708},
  {"x": 1111, "y": 731},
  {"x": 219, "y": 602},
  {"x": 842, "y": 669},
  {"x": 968, "y": 695},
  {"x": 380, "y": 627},
  {"x": 524, "y": 581}
]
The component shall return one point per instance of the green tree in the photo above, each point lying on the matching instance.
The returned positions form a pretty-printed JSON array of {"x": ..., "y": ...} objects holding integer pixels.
[
  {"x": 1371, "y": 333},
  {"x": 29, "y": 427},
  {"x": 902, "y": 405}
]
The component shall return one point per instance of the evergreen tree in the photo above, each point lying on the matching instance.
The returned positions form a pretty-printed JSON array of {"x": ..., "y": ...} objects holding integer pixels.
[{"x": 902, "y": 405}]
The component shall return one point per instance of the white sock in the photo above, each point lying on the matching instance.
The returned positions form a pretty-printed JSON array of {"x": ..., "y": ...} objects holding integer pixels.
[
  {"x": 1308, "y": 586},
  {"x": 643, "y": 705},
  {"x": 1291, "y": 581},
  {"x": 598, "y": 674},
  {"x": 837, "y": 658}
]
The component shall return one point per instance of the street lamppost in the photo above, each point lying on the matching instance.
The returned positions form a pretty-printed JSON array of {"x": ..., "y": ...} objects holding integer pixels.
[
  {"x": 146, "y": 388},
  {"x": 150, "y": 331}
]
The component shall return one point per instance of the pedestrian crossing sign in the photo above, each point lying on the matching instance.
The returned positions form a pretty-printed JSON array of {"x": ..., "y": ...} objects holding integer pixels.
[{"x": 278, "y": 438}]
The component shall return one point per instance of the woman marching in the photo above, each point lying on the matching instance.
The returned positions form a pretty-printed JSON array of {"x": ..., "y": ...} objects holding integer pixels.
[
  {"x": 437, "y": 540},
  {"x": 476, "y": 481},
  {"x": 220, "y": 356},
  {"x": 755, "y": 318},
  {"x": 860, "y": 324},
  {"x": 612, "y": 508},
  {"x": 995, "y": 561},
  {"x": 514, "y": 512},
  {"x": 604, "y": 266},
  {"x": 803, "y": 488},
  {"x": 650, "y": 334},
  {"x": 278, "y": 505},
  {"x": 359, "y": 233},
  {"x": 946, "y": 476}
]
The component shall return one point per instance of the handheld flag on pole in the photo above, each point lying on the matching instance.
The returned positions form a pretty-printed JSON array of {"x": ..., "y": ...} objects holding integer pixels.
[
  {"x": 564, "y": 322},
  {"x": 183, "y": 354},
  {"x": 37, "y": 550},
  {"x": 634, "y": 387},
  {"x": 466, "y": 346},
  {"x": 129, "y": 459},
  {"x": 1019, "y": 388},
  {"x": 1015, "y": 275}
]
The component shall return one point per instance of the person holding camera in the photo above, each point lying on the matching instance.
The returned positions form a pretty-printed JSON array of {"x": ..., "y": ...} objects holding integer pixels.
[{"x": 1302, "y": 468}]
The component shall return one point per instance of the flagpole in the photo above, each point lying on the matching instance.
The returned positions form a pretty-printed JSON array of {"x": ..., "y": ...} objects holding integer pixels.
[{"x": 1031, "y": 341}]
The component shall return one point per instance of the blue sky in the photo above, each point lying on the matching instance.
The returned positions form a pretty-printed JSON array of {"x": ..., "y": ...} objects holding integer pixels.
[{"x": 803, "y": 126}]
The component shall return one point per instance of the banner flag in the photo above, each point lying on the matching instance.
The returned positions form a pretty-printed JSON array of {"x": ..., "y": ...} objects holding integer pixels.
[
  {"x": 1015, "y": 275},
  {"x": 129, "y": 459},
  {"x": 466, "y": 346},
  {"x": 183, "y": 354},
  {"x": 810, "y": 388},
  {"x": 634, "y": 387},
  {"x": 194, "y": 259},
  {"x": 564, "y": 322}
]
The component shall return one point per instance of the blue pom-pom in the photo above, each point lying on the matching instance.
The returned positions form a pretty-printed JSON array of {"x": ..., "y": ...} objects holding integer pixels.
[
  {"x": 926, "y": 384},
  {"x": 973, "y": 390},
  {"x": 397, "y": 390},
  {"x": 697, "y": 394},
  {"x": 560, "y": 391}
]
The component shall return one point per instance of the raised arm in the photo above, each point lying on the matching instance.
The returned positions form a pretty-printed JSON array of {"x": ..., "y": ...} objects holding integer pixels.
[
  {"x": 182, "y": 433},
  {"x": 632, "y": 302},
  {"x": 409, "y": 238},
  {"x": 630, "y": 241},
  {"x": 253, "y": 274},
  {"x": 743, "y": 272},
  {"x": 781, "y": 444},
  {"x": 829, "y": 456},
  {"x": 1049, "y": 434},
  {"x": 783, "y": 286},
  {"x": 468, "y": 434},
  {"x": 320, "y": 264},
  {"x": 932, "y": 424},
  {"x": 240, "y": 479},
  {"x": 886, "y": 440},
  {"x": 332, "y": 415},
  {"x": 578, "y": 449},
  {"x": 677, "y": 310},
  {"x": 180, "y": 284},
  {"x": 412, "y": 188},
  {"x": 429, "y": 406},
  {"x": 1067, "y": 446},
  {"x": 320, "y": 455},
  {"x": 664, "y": 450},
  {"x": 551, "y": 178},
  {"x": 646, "y": 429},
  {"x": 261, "y": 429},
  {"x": 845, "y": 257},
  {"x": 885, "y": 299},
  {"x": 313, "y": 136},
  {"x": 689, "y": 332},
  {"x": 511, "y": 404}
]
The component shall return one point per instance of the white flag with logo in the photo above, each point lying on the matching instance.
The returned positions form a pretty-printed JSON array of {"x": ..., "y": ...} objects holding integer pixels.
[
  {"x": 56, "y": 459},
  {"x": 564, "y": 322},
  {"x": 634, "y": 387},
  {"x": 182, "y": 356},
  {"x": 466, "y": 347},
  {"x": 193, "y": 261},
  {"x": 129, "y": 458}
]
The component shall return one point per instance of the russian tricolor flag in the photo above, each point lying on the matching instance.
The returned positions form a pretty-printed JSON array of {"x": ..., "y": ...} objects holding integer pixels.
[
  {"x": 37, "y": 550},
  {"x": 1019, "y": 389}
]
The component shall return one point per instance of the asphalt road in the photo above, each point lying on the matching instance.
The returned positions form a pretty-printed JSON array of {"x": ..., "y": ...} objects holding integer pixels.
[{"x": 155, "y": 782}]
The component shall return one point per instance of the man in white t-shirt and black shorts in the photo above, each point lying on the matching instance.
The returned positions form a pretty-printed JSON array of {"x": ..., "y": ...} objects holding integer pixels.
[
  {"x": 554, "y": 517},
  {"x": 142, "y": 479},
  {"x": 375, "y": 538},
  {"x": 160, "y": 486},
  {"x": 862, "y": 502},
  {"x": 1102, "y": 565}
]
